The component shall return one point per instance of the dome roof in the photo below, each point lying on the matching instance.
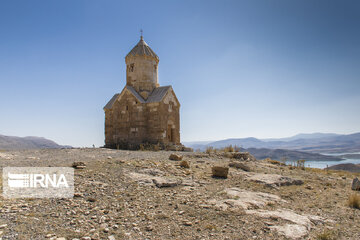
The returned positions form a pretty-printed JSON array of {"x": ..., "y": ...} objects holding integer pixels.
[{"x": 142, "y": 49}]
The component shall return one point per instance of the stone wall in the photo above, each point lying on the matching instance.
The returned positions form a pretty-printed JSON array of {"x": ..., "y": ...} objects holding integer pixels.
[
  {"x": 132, "y": 122},
  {"x": 142, "y": 73}
]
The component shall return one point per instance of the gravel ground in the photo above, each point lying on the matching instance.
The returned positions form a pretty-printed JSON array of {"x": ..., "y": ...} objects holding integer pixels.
[{"x": 144, "y": 195}]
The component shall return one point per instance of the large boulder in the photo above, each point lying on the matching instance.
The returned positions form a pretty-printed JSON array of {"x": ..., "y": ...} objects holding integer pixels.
[
  {"x": 355, "y": 184},
  {"x": 220, "y": 171}
]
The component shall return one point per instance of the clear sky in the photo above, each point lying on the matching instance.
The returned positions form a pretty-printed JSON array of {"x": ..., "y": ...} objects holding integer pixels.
[{"x": 251, "y": 68}]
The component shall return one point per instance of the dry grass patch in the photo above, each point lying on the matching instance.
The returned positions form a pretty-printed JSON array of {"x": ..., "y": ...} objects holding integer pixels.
[
  {"x": 229, "y": 148},
  {"x": 209, "y": 150},
  {"x": 269, "y": 160},
  {"x": 327, "y": 234},
  {"x": 354, "y": 201}
]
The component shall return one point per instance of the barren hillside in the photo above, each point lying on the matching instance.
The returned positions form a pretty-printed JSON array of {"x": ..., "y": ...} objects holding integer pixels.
[{"x": 144, "y": 195}]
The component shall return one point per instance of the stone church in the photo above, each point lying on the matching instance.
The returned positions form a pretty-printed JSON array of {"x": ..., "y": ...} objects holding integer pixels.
[{"x": 144, "y": 111}]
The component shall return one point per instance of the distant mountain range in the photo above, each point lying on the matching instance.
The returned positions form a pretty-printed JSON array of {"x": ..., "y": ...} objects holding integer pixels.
[
  {"x": 289, "y": 155},
  {"x": 301, "y": 146},
  {"x": 312, "y": 143},
  {"x": 12, "y": 143},
  {"x": 350, "y": 167},
  {"x": 303, "y": 136}
]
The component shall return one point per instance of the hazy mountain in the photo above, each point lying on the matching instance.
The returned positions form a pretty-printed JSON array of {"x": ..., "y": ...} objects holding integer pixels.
[
  {"x": 241, "y": 142},
  {"x": 350, "y": 156},
  {"x": 303, "y": 136},
  {"x": 197, "y": 144},
  {"x": 314, "y": 143},
  {"x": 290, "y": 155},
  {"x": 350, "y": 167},
  {"x": 11, "y": 142}
]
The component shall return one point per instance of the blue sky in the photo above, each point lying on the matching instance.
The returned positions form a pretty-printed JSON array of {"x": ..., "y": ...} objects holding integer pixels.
[{"x": 239, "y": 68}]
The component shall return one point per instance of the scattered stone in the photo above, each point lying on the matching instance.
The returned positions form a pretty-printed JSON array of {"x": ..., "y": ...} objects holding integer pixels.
[
  {"x": 109, "y": 157},
  {"x": 184, "y": 164},
  {"x": 3, "y": 226},
  {"x": 355, "y": 184},
  {"x": 175, "y": 157},
  {"x": 79, "y": 165},
  {"x": 6, "y": 156},
  {"x": 111, "y": 237},
  {"x": 149, "y": 228},
  {"x": 91, "y": 199},
  {"x": 102, "y": 219},
  {"x": 239, "y": 165},
  {"x": 221, "y": 172},
  {"x": 187, "y": 223},
  {"x": 164, "y": 182},
  {"x": 78, "y": 195},
  {"x": 292, "y": 231},
  {"x": 61, "y": 238},
  {"x": 274, "y": 180}
]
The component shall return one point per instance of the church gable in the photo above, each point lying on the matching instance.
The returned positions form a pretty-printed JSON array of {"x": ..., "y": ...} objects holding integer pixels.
[
  {"x": 134, "y": 93},
  {"x": 119, "y": 96},
  {"x": 110, "y": 104},
  {"x": 158, "y": 94},
  {"x": 171, "y": 97}
]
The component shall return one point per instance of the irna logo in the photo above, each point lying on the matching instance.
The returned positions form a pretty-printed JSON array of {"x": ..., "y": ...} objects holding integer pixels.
[{"x": 36, "y": 180}]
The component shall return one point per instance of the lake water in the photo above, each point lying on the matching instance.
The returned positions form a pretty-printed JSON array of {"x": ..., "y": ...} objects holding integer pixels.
[{"x": 324, "y": 164}]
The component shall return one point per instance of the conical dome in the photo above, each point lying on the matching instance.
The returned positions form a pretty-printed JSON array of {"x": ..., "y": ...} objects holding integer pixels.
[{"x": 142, "y": 49}]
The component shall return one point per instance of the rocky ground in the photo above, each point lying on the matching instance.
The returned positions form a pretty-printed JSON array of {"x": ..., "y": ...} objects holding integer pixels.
[{"x": 144, "y": 195}]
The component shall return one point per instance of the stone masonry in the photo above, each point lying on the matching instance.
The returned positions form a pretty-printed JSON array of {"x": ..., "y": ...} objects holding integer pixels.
[{"x": 144, "y": 112}]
